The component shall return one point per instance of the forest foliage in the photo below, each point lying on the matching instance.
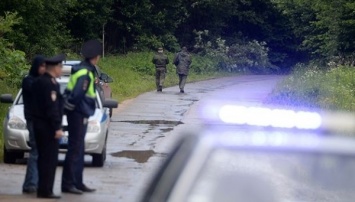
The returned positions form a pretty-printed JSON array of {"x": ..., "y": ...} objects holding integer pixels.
[{"x": 256, "y": 35}]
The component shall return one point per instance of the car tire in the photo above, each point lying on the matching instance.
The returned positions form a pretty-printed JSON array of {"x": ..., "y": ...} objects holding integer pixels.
[
  {"x": 110, "y": 112},
  {"x": 98, "y": 160},
  {"x": 11, "y": 157}
]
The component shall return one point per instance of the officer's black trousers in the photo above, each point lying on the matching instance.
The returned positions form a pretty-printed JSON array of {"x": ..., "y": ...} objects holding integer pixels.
[
  {"x": 47, "y": 161},
  {"x": 74, "y": 159}
]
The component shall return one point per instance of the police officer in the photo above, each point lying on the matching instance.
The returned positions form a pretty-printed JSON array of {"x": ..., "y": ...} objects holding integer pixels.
[
  {"x": 38, "y": 68},
  {"x": 79, "y": 105},
  {"x": 160, "y": 60},
  {"x": 47, "y": 124}
]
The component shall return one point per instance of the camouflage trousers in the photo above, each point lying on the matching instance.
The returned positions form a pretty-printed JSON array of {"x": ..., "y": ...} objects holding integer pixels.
[
  {"x": 182, "y": 81},
  {"x": 160, "y": 77}
]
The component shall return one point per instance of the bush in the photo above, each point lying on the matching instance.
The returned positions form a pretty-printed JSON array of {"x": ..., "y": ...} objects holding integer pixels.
[
  {"x": 12, "y": 61},
  {"x": 331, "y": 89},
  {"x": 249, "y": 56}
]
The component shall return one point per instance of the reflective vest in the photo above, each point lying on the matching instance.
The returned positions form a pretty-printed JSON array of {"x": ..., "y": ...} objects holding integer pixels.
[{"x": 74, "y": 77}]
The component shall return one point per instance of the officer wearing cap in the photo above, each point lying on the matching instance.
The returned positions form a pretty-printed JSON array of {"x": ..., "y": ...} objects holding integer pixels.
[
  {"x": 160, "y": 60},
  {"x": 79, "y": 105},
  {"x": 47, "y": 124}
]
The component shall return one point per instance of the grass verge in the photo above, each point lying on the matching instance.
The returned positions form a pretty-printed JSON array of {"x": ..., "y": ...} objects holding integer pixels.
[{"x": 331, "y": 89}]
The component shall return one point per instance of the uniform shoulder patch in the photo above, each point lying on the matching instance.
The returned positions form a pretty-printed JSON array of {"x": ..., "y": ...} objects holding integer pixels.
[{"x": 54, "y": 95}]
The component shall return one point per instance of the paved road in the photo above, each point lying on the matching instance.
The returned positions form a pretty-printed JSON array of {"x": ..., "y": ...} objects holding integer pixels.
[{"x": 142, "y": 133}]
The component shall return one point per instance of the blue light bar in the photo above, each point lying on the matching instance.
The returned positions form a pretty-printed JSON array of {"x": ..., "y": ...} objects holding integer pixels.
[{"x": 279, "y": 118}]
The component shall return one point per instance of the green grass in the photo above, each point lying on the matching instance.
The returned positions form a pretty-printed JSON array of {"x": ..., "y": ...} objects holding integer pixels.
[
  {"x": 133, "y": 74},
  {"x": 331, "y": 89}
]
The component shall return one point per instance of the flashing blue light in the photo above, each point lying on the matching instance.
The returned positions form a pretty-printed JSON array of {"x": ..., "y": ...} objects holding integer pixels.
[{"x": 280, "y": 118}]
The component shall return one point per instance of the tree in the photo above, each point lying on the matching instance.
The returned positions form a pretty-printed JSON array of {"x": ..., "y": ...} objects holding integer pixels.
[
  {"x": 42, "y": 29},
  {"x": 325, "y": 28},
  {"x": 145, "y": 24},
  {"x": 12, "y": 61}
]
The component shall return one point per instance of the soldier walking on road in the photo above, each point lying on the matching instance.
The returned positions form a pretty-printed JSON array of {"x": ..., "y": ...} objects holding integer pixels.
[
  {"x": 47, "y": 124},
  {"x": 182, "y": 61},
  {"x": 38, "y": 68},
  {"x": 160, "y": 60},
  {"x": 79, "y": 105}
]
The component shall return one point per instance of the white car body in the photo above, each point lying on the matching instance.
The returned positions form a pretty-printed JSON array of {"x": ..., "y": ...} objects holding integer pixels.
[{"x": 16, "y": 136}]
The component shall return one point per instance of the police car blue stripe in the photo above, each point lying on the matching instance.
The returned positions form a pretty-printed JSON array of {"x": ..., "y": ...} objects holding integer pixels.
[{"x": 104, "y": 117}]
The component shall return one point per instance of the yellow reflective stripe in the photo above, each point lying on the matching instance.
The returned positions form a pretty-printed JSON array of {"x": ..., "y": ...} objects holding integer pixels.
[
  {"x": 91, "y": 90},
  {"x": 74, "y": 78}
]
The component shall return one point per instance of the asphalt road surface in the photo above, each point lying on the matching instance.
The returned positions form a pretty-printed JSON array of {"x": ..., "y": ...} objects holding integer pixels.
[{"x": 142, "y": 133}]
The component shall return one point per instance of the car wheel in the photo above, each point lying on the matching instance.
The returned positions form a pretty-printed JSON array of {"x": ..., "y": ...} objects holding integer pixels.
[
  {"x": 98, "y": 160},
  {"x": 10, "y": 157},
  {"x": 110, "y": 112}
]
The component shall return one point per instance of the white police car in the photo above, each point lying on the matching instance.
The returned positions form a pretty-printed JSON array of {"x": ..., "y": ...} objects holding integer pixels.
[{"x": 16, "y": 138}]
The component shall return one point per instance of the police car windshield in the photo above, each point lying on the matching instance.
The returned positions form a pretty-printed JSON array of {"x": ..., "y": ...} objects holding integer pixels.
[
  {"x": 62, "y": 88},
  {"x": 249, "y": 175}
]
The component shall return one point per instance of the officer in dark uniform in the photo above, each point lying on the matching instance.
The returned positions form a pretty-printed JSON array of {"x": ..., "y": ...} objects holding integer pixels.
[
  {"x": 79, "y": 105},
  {"x": 47, "y": 124}
]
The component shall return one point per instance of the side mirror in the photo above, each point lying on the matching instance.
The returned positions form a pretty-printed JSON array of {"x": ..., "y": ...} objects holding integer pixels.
[
  {"x": 6, "y": 98},
  {"x": 105, "y": 78},
  {"x": 110, "y": 103}
]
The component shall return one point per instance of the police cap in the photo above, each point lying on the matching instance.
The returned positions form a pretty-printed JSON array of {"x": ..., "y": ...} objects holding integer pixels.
[
  {"x": 91, "y": 49},
  {"x": 55, "y": 59}
]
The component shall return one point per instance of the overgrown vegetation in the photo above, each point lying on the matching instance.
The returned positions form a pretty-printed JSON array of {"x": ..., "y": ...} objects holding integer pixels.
[
  {"x": 12, "y": 61},
  {"x": 290, "y": 31},
  {"x": 314, "y": 87},
  {"x": 238, "y": 57}
]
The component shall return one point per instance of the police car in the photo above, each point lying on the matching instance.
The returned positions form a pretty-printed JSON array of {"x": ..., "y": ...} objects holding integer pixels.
[
  {"x": 16, "y": 137},
  {"x": 258, "y": 154}
]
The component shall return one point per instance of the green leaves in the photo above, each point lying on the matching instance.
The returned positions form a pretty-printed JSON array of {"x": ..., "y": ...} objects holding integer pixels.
[
  {"x": 325, "y": 28},
  {"x": 12, "y": 61}
]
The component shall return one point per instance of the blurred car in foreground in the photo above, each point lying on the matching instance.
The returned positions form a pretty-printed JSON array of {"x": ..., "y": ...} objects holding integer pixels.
[
  {"x": 16, "y": 138},
  {"x": 260, "y": 155}
]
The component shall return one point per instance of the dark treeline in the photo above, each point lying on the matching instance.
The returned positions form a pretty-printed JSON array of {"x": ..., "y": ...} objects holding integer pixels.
[{"x": 289, "y": 31}]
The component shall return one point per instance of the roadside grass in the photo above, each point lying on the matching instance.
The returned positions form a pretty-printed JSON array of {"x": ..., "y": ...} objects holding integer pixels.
[
  {"x": 311, "y": 87},
  {"x": 133, "y": 74}
]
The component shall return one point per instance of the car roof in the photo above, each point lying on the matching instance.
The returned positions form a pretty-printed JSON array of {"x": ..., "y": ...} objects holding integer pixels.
[{"x": 71, "y": 62}]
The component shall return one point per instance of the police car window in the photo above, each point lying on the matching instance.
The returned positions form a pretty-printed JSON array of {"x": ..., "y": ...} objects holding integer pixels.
[
  {"x": 278, "y": 177},
  {"x": 20, "y": 100},
  {"x": 62, "y": 87}
]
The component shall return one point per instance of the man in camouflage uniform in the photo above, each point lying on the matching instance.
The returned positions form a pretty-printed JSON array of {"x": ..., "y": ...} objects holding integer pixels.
[
  {"x": 160, "y": 60},
  {"x": 182, "y": 61}
]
